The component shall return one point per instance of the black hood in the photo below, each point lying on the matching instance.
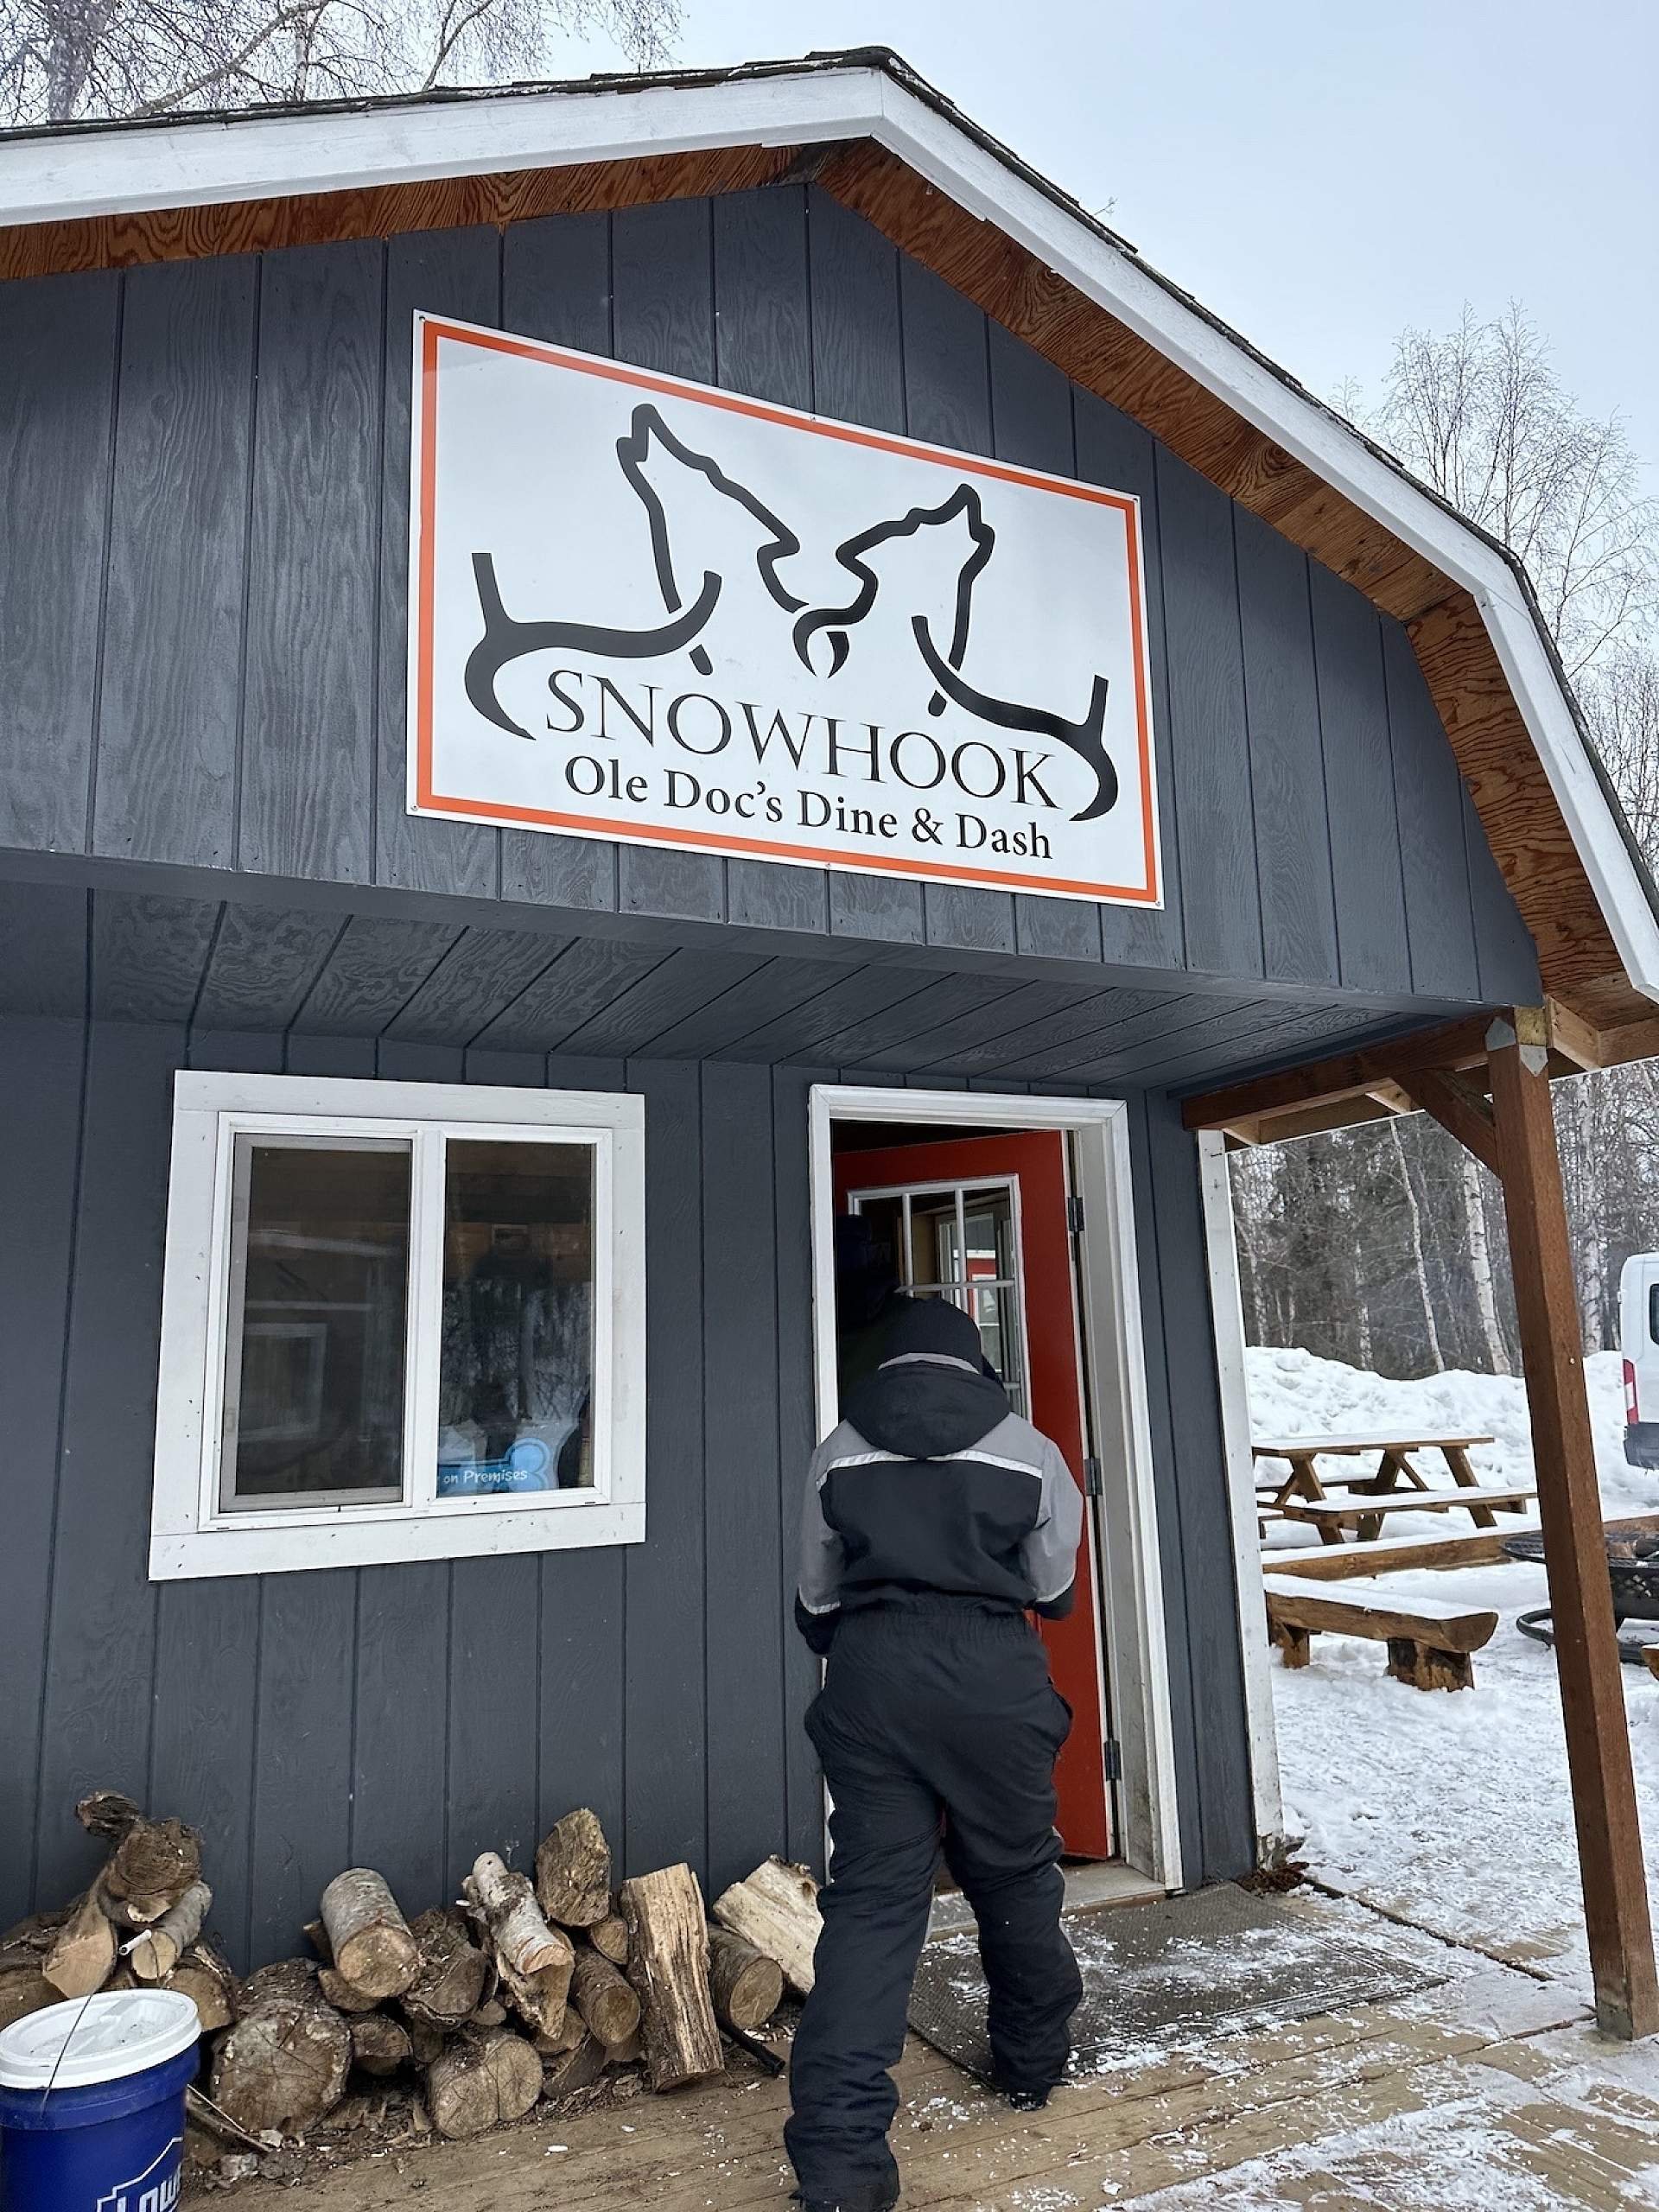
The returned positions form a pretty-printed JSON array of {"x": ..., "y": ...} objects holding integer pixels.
[{"x": 933, "y": 1393}]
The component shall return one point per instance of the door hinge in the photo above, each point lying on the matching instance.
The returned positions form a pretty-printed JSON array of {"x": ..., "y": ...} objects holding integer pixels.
[
  {"x": 1114, "y": 1751},
  {"x": 1074, "y": 1213},
  {"x": 1092, "y": 1485}
]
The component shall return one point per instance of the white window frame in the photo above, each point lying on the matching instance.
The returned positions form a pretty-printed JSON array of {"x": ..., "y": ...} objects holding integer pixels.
[{"x": 192, "y": 1532}]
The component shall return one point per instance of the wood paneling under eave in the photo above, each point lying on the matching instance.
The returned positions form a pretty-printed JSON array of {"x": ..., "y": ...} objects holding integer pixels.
[
  {"x": 125, "y": 241},
  {"x": 1517, "y": 809}
]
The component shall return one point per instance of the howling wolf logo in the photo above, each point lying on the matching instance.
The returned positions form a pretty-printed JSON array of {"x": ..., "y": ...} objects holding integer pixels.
[{"x": 746, "y": 582}]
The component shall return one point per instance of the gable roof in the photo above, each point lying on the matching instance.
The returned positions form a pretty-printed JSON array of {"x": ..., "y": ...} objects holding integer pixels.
[{"x": 865, "y": 128}]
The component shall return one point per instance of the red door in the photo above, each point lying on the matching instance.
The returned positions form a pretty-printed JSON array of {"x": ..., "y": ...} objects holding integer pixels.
[{"x": 983, "y": 1220}]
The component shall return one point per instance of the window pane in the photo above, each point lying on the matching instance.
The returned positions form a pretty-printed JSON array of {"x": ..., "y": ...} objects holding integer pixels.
[
  {"x": 514, "y": 1387},
  {"x": 313, "y": 1401}
]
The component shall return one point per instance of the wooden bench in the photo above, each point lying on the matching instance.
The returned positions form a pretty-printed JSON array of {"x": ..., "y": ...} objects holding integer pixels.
[
  {"x": 1364, "y": 1514},
  {"x": 1429, "y": 1640},
  {"x": 1650, "y": 1654},
  {"x": 1344, "y": 1562}
]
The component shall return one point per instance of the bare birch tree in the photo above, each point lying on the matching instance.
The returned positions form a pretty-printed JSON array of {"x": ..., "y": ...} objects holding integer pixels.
[{"x": 62, "y": 60}]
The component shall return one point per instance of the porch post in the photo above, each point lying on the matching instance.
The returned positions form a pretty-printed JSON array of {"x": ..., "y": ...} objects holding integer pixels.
[{"x": 1569, "y": 1507}]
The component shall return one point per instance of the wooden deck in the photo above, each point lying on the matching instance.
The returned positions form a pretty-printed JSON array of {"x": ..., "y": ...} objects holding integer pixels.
[{"x": 1384, "y": 2105}]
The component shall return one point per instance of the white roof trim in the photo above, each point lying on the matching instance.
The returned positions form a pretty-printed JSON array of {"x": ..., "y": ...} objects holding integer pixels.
[{"x": 54, "y": 177}]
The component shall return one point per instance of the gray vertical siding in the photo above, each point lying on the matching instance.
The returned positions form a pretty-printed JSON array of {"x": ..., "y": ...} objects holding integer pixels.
[
  {"x": 201, "y": 629},
  {"x": 408, "y": 1716}
]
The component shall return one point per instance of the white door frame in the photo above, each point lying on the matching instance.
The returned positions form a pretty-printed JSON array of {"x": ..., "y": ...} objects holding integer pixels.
[
  {"x": 1227, "y": 1318},
  {"x": 1132, "y": 1591}
]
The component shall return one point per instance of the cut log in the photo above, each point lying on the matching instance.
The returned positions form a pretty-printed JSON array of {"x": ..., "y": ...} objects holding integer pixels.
[
  {"x": 203, "y": 1975},
  {"x": 518, "y": 1927},
  {"x": 540, "y": 2000},
  {"x": 565, "y": 2036},
  {"x": 155, "y": 1952},
  {"x": 668, "y": 1965},
  {"x": 627, "y": 2054},
  {"x": 776, "y": 1910},
  {"x": 609, "y": 1937},
  {"x": 573, "y": 1870},
  {"x": 454, "y": 1976},
  {"x": 379, "y": 2043},
  {"x": 83, "y": 1957},
  {"x": 492, "y": 2013},
  {"x": 107, "y": 1812},
  {"x": 426, "y": 2042},
  {"x": 603, "y": 1999},
  {"x": 574, "y": 2070},
  {"x": 345, "y": 1996},
  {"x": 153, "y": 1864},
  {"x": 285, "y": 2064},
  {"x": 746, "y": 1986},
  {"x": 372, "y": 1945},
  {"x": 478, "y": 2081}
]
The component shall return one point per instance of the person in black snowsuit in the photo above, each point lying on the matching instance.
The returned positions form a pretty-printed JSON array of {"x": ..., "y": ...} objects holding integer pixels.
[{"x": 936, "y": 1521}]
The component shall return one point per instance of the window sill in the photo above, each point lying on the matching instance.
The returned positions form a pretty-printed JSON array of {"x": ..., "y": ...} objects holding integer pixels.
[{"x": 380, "y": 1539}]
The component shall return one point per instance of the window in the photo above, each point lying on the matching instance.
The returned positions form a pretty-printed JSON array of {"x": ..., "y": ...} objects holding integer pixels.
[{"x": 399, "y": 1321}]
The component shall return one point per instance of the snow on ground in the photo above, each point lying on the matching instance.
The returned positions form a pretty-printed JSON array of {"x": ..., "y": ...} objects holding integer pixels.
[
  {"x": 1488, "y": 2142},
  {"x": 1450, "y": 1809}
]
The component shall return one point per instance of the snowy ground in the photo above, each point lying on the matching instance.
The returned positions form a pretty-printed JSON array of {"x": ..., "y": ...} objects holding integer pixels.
[{"x": 1453, "y": 1811}]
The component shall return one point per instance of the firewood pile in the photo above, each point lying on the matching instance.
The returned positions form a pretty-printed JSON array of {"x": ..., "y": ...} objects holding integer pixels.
[{"x": 523, "y": 1989}]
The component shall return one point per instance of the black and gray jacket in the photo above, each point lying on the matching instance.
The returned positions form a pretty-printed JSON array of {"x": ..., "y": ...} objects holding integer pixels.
[{"x": 930, "y": 1489}]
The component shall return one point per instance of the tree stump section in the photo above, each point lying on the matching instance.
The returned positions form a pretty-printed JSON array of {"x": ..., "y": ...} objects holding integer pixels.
[
  {"x": 454, "y": 1974},
  {"x": 746, "y": 1985},
  {"x": 573, "y": 1870},
  {"x": 776, "y": 1910},
  {"x": 668, "y": 1965},
  {"x": 603, "y": 1999},
  {"x": 285, "y": 2064},
  {"x": 1426, "y": 1669},
  {"x": 372, "y": 1945},
  {"x": 478, "y": 2081},
  {"x": 155, "y": 1952}
]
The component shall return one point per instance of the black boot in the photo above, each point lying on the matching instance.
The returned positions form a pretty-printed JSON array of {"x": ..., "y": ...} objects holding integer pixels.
[{"x": 880, "y": 2198}]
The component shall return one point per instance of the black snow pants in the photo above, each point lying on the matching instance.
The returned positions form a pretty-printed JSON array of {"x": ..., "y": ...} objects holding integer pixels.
[{"x": 937, "y": 1726}]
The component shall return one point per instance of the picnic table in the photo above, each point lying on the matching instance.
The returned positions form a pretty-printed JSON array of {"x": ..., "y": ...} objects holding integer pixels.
[{"x": 1389, "y": 1476}]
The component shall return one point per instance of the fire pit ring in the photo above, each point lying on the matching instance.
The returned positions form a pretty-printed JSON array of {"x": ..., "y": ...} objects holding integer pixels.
[{"x": 1633, "y": 1570}]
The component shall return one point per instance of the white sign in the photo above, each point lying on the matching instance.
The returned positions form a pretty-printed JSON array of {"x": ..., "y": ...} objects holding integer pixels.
[{"x": 644, "y": 609}]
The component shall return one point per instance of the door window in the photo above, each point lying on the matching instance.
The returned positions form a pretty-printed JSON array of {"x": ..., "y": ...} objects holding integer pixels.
[{"x": 960, "y": 1242}]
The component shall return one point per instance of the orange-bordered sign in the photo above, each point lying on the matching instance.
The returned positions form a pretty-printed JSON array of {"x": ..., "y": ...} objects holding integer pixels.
[{"x": 645, "y": 609}]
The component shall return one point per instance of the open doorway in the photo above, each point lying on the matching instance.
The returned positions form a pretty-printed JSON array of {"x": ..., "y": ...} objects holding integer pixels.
[{"x": 1019, "y": 1211}]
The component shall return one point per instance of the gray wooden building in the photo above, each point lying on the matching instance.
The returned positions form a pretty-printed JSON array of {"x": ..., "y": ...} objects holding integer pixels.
[{"x": 325, "y": 1074}]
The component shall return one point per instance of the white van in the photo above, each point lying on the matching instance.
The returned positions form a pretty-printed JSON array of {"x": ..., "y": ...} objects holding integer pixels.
[{"x": 1638, "y": 1340}]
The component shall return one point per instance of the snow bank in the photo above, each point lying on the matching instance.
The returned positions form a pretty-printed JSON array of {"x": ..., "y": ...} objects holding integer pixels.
[{"x": 1296, "y": 1393}]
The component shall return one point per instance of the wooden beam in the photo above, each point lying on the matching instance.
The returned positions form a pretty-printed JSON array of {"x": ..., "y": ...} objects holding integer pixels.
[
  {"x": 1454, "y": 1102},
  {"x": 1572, "y": 1037},
  {"x": 1348, "y": 1074},
  {"x": 1569, "y": 1505}
]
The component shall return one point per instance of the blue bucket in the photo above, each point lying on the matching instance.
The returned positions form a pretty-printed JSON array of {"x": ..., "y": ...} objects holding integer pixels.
[{"x": 91, "y": 2103}]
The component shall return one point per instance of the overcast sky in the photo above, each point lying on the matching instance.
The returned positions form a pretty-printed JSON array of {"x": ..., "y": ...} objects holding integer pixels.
[{"x": 1321, "y": 173}]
